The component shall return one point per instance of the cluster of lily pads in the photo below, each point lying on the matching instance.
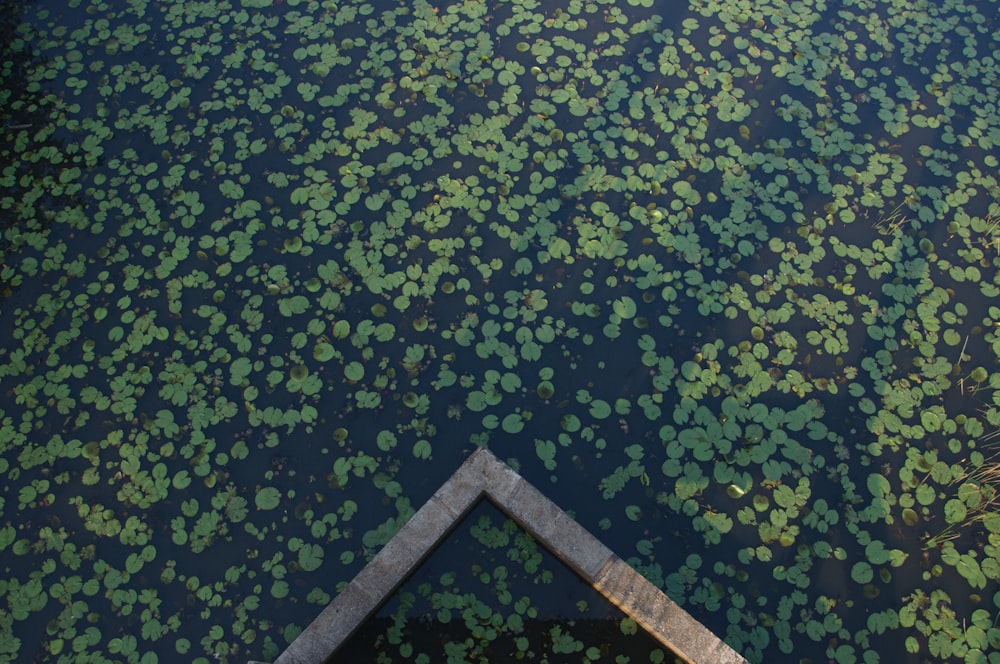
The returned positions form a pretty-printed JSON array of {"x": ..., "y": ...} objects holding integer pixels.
[{"x": 719, "y": 280}]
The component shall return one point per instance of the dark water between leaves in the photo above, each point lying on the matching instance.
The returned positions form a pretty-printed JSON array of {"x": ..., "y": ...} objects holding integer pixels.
[{"x": 719, "y": 280}]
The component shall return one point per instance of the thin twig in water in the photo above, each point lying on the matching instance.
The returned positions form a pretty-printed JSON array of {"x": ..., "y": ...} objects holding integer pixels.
[
  {"x": 958, "y": 364},
  {"x": 985, "y": 478},
  {"x": 893, "y": 221}
]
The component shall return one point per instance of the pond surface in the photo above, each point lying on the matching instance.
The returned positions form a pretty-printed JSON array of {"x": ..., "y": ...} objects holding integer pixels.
[{"x": 719, "y": 278}]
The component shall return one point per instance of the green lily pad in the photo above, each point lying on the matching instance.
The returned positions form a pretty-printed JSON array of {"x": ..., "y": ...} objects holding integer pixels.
[
  {"x": 267, "y": 498},
  {"x": 600, "y": 409},
  {"x": 354, "y": 371}
]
